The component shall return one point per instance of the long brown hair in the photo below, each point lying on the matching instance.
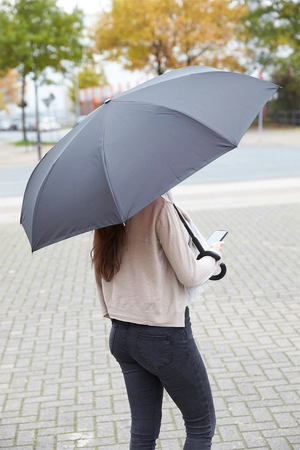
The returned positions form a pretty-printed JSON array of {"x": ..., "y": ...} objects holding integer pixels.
[{"x": 107, "y": 250}]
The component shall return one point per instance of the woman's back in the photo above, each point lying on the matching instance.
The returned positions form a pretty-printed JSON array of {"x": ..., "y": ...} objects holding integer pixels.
[{"x": 156, "y": 265}]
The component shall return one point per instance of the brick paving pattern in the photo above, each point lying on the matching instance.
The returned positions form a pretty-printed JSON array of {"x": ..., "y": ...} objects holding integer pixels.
[{"x": 61, "y": 390}]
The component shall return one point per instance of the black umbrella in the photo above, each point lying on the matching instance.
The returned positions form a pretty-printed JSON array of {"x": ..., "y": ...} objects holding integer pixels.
[{"x": 137, "y": 146}]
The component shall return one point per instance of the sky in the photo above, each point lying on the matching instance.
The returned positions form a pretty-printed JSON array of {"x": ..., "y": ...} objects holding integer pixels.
[{"x": 89, "y": 7}]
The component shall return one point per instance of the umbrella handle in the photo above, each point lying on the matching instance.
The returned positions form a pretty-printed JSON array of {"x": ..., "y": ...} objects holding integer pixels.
[
  {"x": 223, "y": 268},
  {"x": 203, "y": 252},
  {"x": 220, "y": 275}
]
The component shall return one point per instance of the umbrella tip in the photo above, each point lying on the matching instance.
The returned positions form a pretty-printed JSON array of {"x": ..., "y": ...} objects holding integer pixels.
[{"x": 107, "y": 101}]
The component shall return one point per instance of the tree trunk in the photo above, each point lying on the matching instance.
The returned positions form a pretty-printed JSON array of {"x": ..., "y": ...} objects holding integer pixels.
[
  {"x": 23, "y": 105},
  {"x": 159, "y": 70}
]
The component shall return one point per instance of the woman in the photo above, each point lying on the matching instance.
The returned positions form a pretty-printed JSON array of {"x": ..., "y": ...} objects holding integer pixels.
[{"x": 142, "y": 272}]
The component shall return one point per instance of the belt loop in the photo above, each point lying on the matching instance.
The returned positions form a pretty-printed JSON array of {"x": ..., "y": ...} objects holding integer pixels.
[{"x": 187, "y": 312}]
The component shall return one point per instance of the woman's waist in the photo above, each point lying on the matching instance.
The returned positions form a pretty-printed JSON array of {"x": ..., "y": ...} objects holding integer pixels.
[{"x": 174, "y": 316}]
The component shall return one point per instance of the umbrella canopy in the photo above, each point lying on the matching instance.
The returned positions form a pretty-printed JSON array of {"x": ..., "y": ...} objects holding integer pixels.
[{"x": 137, "y": 146}]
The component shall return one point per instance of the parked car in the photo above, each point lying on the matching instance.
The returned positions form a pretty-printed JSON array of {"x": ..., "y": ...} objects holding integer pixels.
[
  {"x": 49, "y": 124},
  {"x": 8, "y": 124},
  {"x": 30, "y": 125}
]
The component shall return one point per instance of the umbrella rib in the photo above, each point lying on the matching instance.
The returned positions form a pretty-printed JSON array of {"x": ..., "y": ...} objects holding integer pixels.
[
  {"x": 219, "y": 133},
  {"x": 164, "y": 78},
  {"x": 46, "y": 178},
  {"x": 38, "y": 198},
  {"x": 120, "y": 212}
]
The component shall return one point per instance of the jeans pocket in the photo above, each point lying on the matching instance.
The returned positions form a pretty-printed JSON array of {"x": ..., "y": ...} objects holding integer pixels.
[
  {"x": 155, "y": 351},
  {"x": 112, "y": 335}
]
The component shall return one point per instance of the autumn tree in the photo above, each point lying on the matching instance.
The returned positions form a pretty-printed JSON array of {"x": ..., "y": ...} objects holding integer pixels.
[
  {"x": 36, "y": 35},
  {"x": 9, "y": 89},
  {"x": 156, "y": 35}
]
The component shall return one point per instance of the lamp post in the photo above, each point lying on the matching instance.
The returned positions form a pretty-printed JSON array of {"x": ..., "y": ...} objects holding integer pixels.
[
  {"x": 261, "y": 112},
  {"x": 77, "y": 107},
  {"x": 39, "y": 144}
]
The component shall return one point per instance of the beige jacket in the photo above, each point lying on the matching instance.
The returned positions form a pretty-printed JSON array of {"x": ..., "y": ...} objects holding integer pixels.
[{"x": 156, "y": 265}]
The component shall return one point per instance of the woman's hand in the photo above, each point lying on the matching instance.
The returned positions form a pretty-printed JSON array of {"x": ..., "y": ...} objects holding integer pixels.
[{"x": 217, "y": 246}]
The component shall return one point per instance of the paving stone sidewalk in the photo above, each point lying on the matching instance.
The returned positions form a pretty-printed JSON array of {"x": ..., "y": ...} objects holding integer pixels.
[{"x": 61, "y": 390}]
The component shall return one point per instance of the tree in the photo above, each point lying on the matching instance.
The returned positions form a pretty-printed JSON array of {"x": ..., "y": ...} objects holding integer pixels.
[
  {"x": 272, "y": 29},
  {"x": 9, "y": 89},
  {"x": 272, "y": 32},
  {"x": 90, "y": 75},
  {"x": 36, "y": 35},
  {"x": 156, "y": 35},
  {"x": 286, "y": 73}
]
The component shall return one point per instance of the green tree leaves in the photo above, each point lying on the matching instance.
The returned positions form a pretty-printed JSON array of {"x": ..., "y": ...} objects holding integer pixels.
[{"x": 36, "y": 35}]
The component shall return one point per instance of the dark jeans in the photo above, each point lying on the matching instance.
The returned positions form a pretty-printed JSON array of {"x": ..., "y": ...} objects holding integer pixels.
[{"x": 153, "y": 358}]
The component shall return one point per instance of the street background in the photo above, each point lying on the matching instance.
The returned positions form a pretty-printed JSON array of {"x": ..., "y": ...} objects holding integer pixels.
[{"x": 59, "y": 386}]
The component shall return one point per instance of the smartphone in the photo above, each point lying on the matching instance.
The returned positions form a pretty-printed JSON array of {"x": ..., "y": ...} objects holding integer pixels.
[{"x": 217, "y": 236}]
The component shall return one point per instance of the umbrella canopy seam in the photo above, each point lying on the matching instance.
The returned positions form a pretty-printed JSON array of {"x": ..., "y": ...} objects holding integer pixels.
[
  {"x": 46, "y": 178},
  {"x": 220, "y": 133},
  {"x": 38, "y": 197},
  {"x": 164, "y": 78},
  {"x": 105, "y": 167}
]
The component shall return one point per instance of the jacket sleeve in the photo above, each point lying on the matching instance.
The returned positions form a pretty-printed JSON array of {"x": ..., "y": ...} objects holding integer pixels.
[{"x": 171, "y": 234}]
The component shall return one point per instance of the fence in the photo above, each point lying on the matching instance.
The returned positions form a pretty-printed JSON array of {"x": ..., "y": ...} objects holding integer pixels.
[{"x": 286, "y": 117}]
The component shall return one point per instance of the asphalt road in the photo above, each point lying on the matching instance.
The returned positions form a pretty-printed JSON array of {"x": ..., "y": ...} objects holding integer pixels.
[
  {"x": 13, "y": 179},
  {"x": 248, "y": 162}
]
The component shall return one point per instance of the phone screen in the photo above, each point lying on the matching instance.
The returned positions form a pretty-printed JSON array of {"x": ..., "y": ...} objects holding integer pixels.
[{"x": 217, "y": 236}]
